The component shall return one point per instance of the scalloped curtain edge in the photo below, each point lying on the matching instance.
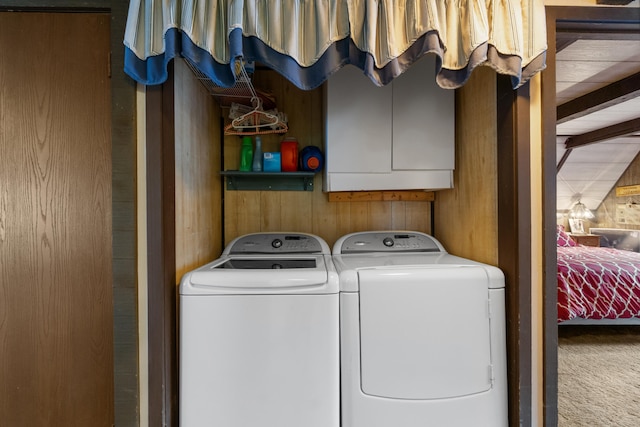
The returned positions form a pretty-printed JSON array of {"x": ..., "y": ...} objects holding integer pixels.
[{"x": 152, "y": 70}]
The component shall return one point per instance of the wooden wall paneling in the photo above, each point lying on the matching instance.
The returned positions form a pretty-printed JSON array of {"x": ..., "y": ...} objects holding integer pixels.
[
  {"x": 359, "y": 217},
  {"x": 326, "y": 222},
  {"x": 398, "y": 215},
  {"x": 606, "y": 212},
  {"x": 300, "y": 106},
  {"x": 56, "y": 298},
  {"x": 296, "y": 207},
  {"x": 315, "y": 118},
  {"x": 343, "y": 219},
  {"x": 324, "y": 213},
  {"x": 230, "y": 223},
  {"x": 231, "y": 147},
  {"x": 466, "y": 219},
  {"x": 297, "y": 213},
  {"x": 418, "y": 216},
  {"x": 198, "y": 182},
  {"x": 271, "y": 207},
  {"x": 247, "y": 212},
  {"x": 380, "y": 215},
  {"x": 230, "y": 161}
]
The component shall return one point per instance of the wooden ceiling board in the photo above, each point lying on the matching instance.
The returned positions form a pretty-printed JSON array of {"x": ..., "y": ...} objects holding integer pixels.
[
  {"x": 587, "y": 174},
  {"x": 594, "y": 63},
  {"x": 567, "y": 91},
  {"x": 591, "y": 193},
  {"x": 572, "y": 189},
  {"x": 615, "y": 151},
  {"x": 601, "y": 50},
  {"x": 619, "y": 113}
]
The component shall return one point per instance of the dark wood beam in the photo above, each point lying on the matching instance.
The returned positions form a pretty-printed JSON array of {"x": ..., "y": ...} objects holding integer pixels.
[
  {"x": 608, "y": 96},
  {"x": 609, "y": 132},
  {"x": 563, "y": 160},
  {"x": 614, "y": 2},
  {"x": 514, "y": 242},
  {"x": 161, "y": 259},
  {"x": 562, "y": 44},
  {"x": 549, "y": 256},
  {"x": 601, "y": 28}
]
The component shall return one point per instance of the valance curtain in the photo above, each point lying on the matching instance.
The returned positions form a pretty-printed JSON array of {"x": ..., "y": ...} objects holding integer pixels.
[{"x": 308, "y": 40}]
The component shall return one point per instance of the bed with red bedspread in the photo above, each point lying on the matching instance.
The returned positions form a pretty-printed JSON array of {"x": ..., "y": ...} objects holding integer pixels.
[{"x": 596, "y": 283}]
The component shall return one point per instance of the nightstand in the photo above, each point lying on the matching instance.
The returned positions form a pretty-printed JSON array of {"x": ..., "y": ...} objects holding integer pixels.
[{"x": 586, "y": 239}]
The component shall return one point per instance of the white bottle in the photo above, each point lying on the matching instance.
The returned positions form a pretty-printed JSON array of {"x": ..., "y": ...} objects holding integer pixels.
[{"x": 257, "y": 156}]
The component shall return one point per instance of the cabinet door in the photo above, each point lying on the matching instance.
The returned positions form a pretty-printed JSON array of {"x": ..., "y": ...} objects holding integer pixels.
[
  {"x": 423, "y": 120},
  {"x": 358, "y": 124}
]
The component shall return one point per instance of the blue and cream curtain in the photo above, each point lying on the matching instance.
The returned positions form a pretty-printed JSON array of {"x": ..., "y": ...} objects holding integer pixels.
[{"x": 308, "y": 40}]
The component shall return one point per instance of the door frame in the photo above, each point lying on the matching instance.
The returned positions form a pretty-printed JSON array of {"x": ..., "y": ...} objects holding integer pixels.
[
  {"x": 514, "y": 240},
  {"x": 555, "y": 14},
  {"x": 161, "y": 253},
  {"x": 514, "y": 248}
]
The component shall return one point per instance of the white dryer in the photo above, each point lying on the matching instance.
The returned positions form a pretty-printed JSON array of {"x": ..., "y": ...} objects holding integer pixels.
[
  {"x": 423, "y": 339},
  {"x": 259, "y": 336}
]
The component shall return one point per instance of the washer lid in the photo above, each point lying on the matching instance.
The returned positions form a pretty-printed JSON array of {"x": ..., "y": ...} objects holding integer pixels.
[
  {"x": 267, "y": 263},
  {"x": 263, "y": 274}
]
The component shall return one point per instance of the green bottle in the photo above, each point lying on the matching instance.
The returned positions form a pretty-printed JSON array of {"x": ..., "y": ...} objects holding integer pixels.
[{"x": 246, "y": 154}]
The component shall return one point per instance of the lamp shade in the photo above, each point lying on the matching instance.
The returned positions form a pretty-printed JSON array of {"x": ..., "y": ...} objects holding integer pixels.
[{"x": 580, "y": 211}]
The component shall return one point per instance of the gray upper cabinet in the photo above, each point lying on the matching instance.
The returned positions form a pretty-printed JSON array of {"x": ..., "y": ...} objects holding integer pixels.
[{"x": 397, "y": 137}]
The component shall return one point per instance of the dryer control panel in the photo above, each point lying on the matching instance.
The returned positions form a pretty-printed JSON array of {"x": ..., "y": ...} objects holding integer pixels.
[{"x": 387, "y": 241}]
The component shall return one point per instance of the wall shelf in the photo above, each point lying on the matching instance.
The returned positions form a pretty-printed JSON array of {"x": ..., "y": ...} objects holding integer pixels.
[{"x": 269, "y": 181}]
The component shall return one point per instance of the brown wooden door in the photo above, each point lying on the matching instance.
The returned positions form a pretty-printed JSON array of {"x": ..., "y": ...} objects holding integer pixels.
[{"x": 56, "y": 314}]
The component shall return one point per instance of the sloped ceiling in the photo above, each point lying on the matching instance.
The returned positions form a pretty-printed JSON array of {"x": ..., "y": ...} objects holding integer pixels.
[{"x": 598, "y": 128}]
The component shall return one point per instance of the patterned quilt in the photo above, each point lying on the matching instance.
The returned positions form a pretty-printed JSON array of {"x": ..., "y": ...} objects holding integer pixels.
[{"x": 597, "y": 283}]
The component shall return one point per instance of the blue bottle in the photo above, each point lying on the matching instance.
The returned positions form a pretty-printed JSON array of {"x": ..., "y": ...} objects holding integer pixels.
[{"x": 311, "y": 159}]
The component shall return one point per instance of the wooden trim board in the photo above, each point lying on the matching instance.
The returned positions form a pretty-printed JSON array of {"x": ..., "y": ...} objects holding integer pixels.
[{"x": 389, "y": 196}]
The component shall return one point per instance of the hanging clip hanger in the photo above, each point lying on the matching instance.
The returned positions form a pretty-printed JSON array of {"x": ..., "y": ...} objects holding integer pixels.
[{"x": 260, "y": 121}]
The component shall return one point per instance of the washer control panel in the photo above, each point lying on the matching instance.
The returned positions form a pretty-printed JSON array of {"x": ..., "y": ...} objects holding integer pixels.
[
  {"x": 390, "y": 241},
  {"x": 275, "y": 243}
]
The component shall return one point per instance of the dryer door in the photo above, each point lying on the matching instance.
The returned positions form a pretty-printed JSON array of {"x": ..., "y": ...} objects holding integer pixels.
[{"x": 425, "y": 332}]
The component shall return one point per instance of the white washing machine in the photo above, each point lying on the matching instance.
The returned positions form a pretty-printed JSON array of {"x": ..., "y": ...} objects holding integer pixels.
[
  {"x": 423, "y": 339},
  {"x": 259, "y": 336}
]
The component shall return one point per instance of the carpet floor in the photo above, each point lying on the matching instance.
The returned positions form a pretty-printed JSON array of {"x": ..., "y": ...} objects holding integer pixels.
[{"x": 599, "y": 376}]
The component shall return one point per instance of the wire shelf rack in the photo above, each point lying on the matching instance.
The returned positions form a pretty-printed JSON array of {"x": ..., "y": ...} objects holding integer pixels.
[{"x": 242, "y": 92}]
